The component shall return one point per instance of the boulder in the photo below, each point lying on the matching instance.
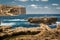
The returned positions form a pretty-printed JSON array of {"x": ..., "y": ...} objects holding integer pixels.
[
  {"x": 47, "y": 20},
  {"x": 34, "y": 20}
]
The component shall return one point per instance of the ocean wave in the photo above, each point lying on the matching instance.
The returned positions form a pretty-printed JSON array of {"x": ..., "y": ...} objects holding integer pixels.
[
  {"x": 58, "y": 22},
  {"x": 14, "y": 20},
  {"x": 7, "y": 24}
]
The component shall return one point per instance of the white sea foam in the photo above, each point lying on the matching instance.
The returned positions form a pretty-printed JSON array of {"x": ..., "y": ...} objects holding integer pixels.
[
  {"x": 14, "y": 20},
  {"x": 7, "y": 24},
  {"x": 58, "y": 22}
]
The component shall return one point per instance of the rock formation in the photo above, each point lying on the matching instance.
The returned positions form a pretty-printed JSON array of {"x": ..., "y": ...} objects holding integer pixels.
[
  {"x": 6, "y": 10},
  {"x": 8, "y": 31},
  {"x": 45, "y": 33},
  {"x": 45, "y": 20}
]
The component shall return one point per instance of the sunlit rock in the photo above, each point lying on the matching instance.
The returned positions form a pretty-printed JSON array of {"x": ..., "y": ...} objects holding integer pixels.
[
  {"x": 45, "y": 20},
  {"x": 10, "y": 10}
]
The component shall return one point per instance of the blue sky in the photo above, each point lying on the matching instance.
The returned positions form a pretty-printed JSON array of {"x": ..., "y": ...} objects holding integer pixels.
[{"x": 36, "y": 6}]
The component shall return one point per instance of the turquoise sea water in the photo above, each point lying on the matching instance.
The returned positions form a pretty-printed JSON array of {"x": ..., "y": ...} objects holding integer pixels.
[{"x": 20, "y": 20}]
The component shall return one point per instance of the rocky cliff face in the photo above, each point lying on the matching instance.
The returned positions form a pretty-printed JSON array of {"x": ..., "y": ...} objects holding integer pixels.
[{"x": 6, "y": 10}]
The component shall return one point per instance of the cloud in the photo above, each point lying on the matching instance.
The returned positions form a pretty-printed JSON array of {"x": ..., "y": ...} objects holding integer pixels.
[
  {"x": 38, "y": 6},
  {"x": 34, "y": 6},
  {"x": 44, "y": 0},
  {"x": 54, "y": 4},
  {"x": 42, "y": 10},
  {"x": 22, "y": 0}
]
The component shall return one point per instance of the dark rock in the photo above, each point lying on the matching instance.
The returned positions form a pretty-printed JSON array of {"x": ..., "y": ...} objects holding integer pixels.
[
  {"x": 47, "y": 20},
  {"x": 1, "y": 30}
]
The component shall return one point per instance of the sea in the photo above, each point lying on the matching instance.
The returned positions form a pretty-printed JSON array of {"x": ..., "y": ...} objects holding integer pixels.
[{"x": 21, "y": 20}]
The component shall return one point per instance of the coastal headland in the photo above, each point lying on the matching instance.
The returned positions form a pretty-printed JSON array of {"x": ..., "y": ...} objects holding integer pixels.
[{"x": 10, "y": 10}]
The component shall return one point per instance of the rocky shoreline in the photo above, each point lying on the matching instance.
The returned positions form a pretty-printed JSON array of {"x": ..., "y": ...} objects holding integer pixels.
[
  {"x": 8, "y": 31},
  {"x": 41, "y": 33}
]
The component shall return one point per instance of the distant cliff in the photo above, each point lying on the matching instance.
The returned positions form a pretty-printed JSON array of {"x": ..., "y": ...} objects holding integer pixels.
[{"x": 8, "y": 10}]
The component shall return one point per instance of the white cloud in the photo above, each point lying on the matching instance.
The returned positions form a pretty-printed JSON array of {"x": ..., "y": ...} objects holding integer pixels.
[
  {"x": 44, "y": 0},
  {"x": 37, "y": 6},
  {"x": 34, "y": 6},
  {"x": 57, "y": 7},
  {"x": 54, "y": 4},
  {"x": 22, "y": 0}
]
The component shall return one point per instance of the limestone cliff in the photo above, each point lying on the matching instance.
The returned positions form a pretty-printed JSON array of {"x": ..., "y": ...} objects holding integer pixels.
[{"x": 9, "y": 10}]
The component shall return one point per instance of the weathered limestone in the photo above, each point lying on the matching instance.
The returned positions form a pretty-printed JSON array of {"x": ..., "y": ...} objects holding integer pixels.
[
  {"x": 6, "y": 10},
  {"x": 45, "y": 20},
  {"x": 3, "y": 28},
  {"x": 19, "y": 31},
  {"x": 36, "y": 33},
  {"x": 44, "y": 34}
]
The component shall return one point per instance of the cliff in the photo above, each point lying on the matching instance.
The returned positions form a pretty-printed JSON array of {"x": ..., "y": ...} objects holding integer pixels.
[{"x": 9, "y": 10}]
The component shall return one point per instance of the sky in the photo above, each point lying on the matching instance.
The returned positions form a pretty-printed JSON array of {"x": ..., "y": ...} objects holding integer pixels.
[{"x": 36, "y": 6}]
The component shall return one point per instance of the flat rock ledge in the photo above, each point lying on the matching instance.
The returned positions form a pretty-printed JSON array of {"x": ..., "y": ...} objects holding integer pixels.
[{"x": 8, "y": 31}]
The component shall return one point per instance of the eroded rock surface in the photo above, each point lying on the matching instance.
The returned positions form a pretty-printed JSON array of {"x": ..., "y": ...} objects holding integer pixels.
[
  {"x": 46, "y": 20},
  {"x": 6, "y": 10},
  {"x": 44, "y": 33}
]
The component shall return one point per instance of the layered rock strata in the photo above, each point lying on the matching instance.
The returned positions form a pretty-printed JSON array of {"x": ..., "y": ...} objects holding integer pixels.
[{"x": 6, "y": 10}]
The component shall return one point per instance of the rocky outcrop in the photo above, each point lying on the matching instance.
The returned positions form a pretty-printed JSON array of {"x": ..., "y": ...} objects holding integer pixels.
[
  {"x": 9, "y": 10},
  {"x": 23, "y": 31},
  {"x": 45, "y": 20},
  {"x": 45, "y": 33},
  {"x": 18, "y": 31},
  {"x": 3, "y": 28}
]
